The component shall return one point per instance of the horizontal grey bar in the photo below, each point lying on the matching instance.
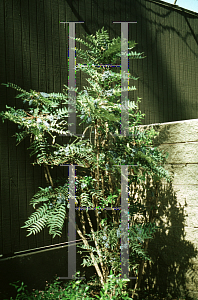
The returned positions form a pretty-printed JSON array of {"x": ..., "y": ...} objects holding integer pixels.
[
  {"x": 100, "y": 65},
  {"x": 44, "y": 248},
  {"x": 94, "y": 208},
  {"x": 124, "y": 22},
  {"x": 84, "y": 278},
  {"x": 49, "y": 246}
]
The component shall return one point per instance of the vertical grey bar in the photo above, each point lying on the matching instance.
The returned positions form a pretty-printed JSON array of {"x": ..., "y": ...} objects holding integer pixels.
[
  {"x": 124, "y": 222},
  {"x": 72, "y": 224},
  {"x": 124, "y": 79},
  {"x": 71, "y": 81}
]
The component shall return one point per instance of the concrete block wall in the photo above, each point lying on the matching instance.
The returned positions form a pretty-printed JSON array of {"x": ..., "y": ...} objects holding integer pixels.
[{"x": 174, "y": 248}]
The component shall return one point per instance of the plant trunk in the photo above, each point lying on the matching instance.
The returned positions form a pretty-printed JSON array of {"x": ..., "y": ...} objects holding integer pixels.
[
  {"x": 48, "y": 176},
  {"x": 92, "y": 256}
]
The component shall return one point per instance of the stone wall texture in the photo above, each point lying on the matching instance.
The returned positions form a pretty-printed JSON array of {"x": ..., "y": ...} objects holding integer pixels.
[{"x": 174, "y": 248}]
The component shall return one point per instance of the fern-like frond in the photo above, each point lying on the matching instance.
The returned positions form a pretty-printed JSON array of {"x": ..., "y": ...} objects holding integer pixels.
[
  {"x": 41, "y": 148},
  {"x": 52, "y": 217},
  {"x": 37, "y": 226},
  {"x": 56, "y": 218},
  {"x": 14, "y": 86},
  {"x": 37, "y": 215},
  {"x": 43, "y": 195}
]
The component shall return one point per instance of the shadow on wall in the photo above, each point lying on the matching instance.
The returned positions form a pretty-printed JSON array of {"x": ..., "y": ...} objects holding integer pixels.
[
  {"x": 174, "y": 267},
  {"x": 169, "y": 251}
]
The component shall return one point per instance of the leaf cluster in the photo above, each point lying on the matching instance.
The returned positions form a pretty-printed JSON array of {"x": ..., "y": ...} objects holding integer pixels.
[
  {"x": 102, "y": 50},
  {"x": 102, "y": 153}
]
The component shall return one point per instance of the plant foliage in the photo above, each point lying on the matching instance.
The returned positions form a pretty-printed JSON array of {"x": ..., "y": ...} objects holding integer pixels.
[{"x": 101, "y": 153}]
